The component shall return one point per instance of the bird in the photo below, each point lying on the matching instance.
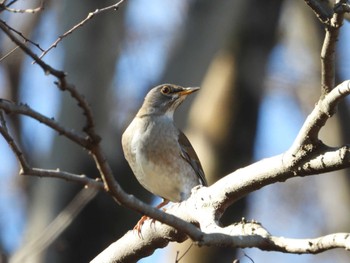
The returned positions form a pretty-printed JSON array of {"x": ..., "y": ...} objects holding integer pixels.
[{"x": 159, "y": 154}]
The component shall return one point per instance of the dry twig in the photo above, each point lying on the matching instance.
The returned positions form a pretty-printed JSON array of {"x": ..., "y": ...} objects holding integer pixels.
[{"x": 82, "y": 23}]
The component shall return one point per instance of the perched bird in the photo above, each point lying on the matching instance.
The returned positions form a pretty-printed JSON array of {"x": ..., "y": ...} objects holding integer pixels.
[{"x": 160, "y": 155}]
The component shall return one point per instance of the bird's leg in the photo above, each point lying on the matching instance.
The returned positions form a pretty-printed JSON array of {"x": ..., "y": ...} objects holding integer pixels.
[
  {"x": 142, "y": 220},
  {"x": 163, "y": 203}
]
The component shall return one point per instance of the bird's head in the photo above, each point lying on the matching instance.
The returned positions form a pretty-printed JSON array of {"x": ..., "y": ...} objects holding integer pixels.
[{"x": 164, "y": 99}]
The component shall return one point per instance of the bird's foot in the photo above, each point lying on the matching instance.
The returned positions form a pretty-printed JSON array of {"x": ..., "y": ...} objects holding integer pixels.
[{"x": 138, "y": 226}]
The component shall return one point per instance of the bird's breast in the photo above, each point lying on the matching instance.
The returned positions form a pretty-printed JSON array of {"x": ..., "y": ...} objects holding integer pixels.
[{"x": 155, "y": 158}]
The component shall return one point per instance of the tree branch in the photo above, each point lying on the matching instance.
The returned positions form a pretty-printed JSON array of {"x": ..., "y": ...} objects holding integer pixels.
[
  {"x": 3, "y": 6},
  {"x": 47, "y": 68},
  {"x": 80, "y": 24},
  {"x": 110, "y": 184},
  {"x": 23, "y": 109},
  {"x": 328, "y": 48},
  {"x": 321, "y": 9},
  {"x": 207, "y": 204},
  {"x": 131, "y": 248}
]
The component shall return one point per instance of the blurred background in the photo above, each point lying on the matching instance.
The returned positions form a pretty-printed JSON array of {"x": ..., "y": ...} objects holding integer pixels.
[{"x": 258, "y": 66}]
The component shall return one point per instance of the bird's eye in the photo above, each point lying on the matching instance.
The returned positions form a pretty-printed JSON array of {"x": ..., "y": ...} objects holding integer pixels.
[{"x": 165, "y": 90}]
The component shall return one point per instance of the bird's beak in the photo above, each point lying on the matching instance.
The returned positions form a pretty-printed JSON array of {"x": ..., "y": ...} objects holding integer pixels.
[{"x": 189, "y": 90}]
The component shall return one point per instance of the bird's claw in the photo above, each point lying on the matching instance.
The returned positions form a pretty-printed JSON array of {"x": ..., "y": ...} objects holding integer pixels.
[{"x": 138, "y": 226}]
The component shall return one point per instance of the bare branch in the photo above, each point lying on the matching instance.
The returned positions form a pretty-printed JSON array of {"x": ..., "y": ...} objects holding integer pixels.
[
  {"x": 81, "y": 179},
  {"x": 207, "y": 204},
  {"x": 82, "y": 23},
  {"x": 11, "y": 142},
  {"x": 47, "y": 68},
  {"x": 8, "y": 53},
  {"x": 321, "y": 9},
  {"x": 26, "y": 169},
  {"x": 23, "y": 109},
  {"x": 28, "y": 11},
  {"x": 131, "y": 248},
  {"x": 307, "y": 139},
  {"x": 22, "y": 36},
  {"x": 62, "y": 83},
  {"x": 307, "y": 156},
  {"x": 328, "y": 48},
  {"x": 56, "y": 227}
]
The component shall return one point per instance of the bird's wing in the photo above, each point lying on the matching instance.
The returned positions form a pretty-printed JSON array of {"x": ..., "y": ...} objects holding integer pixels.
[{"x": 188, "y": 153}]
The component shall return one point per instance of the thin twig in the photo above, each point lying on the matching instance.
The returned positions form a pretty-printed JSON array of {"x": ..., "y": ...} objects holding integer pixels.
[
  {"x": 321, "y": 9},
  {"x": 62, "y": 83},
  {"x": 7, "y": 5},
  {"x": 76, "y": 178},
  {"x": 23, "y": 109},
  {"x": 80, "y": 24},
  {"x": 22, "y": 36},
  {"x": 28, "y": 11},
  {"x": 46, "y": 237},
  {"x": 84, "y": 105},
  {"x": 8, "y": 53},
  {"x": 14, "y": 147},
  {"x": 47, "y": 68},
  {"x": 26, "y": 169},
  {"x": 178, "y": 258}
]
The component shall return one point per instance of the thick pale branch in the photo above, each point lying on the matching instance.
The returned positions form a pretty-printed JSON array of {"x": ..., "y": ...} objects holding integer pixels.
[
  {"x": 131, "y": 248},
  {"x": 312, "y": 245},
  {"x": 207, "y": 204},
  {"x": 307, "y": 156},
  {"x": 328, "y": 49},
  {"x": 307, "y": 140}
]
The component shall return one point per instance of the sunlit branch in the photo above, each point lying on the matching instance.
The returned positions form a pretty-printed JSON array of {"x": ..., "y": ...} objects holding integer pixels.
[
  {"x": 3, "y": 6},
  {"x": 328, "y": 48},
  {"x": 131, "y": 248},
  {"x": 307, "y": 139}
]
